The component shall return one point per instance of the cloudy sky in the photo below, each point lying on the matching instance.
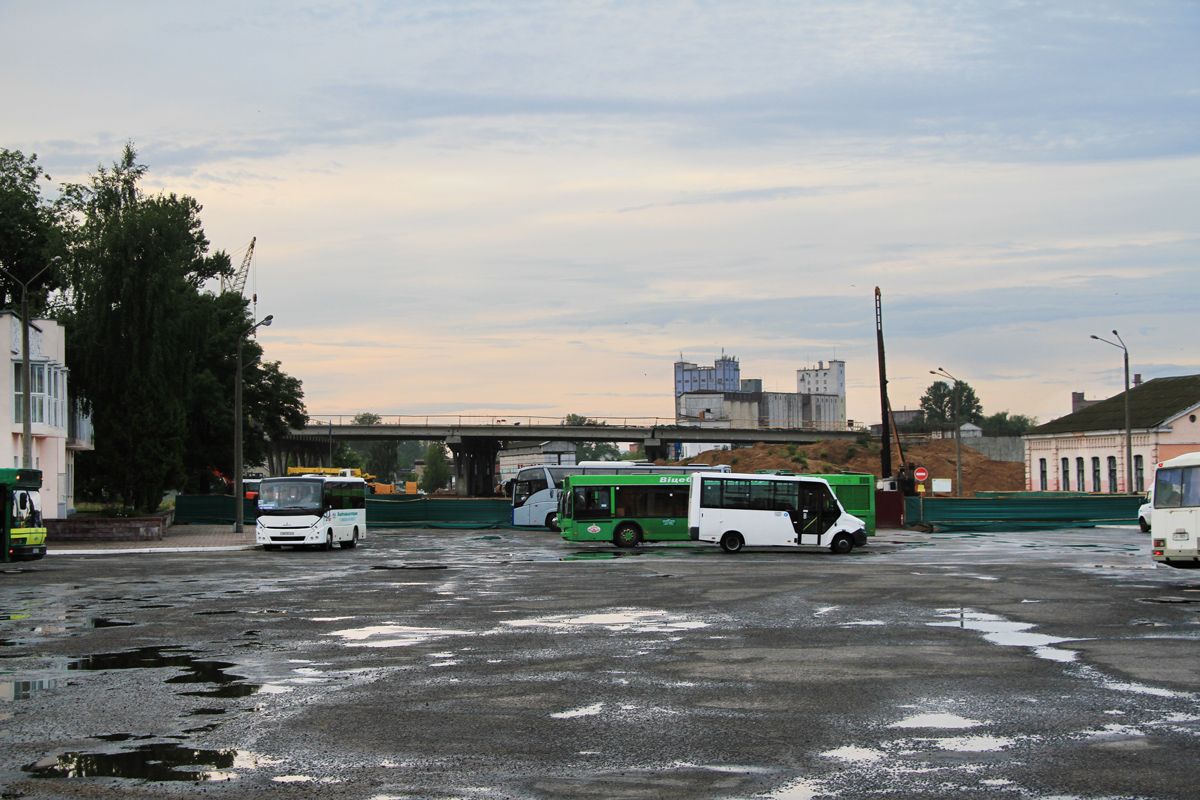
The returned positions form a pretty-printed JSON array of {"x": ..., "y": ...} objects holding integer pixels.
[{"x": 534, "y": 208}]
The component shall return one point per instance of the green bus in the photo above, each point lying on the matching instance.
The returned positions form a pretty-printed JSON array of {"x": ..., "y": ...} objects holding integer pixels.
[
  {"x": 24, "y": 530},
  {"x": 624, "y": 509},
  {"x": 856, "y": 492}
]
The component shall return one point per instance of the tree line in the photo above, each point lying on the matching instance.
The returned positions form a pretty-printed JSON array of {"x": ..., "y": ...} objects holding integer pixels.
[
  {"x": 937, "y": 411},
  {"x": 150, "y": 347}
]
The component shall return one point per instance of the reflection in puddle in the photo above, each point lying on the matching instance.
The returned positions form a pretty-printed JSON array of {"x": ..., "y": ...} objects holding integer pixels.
[
  {"x": 855, "y": 755},
  {"x": 974, "y": 744},
  {"x": 998, "y": 630},
  {"x": 936, "y": 721},
  {"x": 586, "y": 711},
  {"x": 392, "y": 635},
  {"x": 100, "y": 622},
  {"x": 196, "y": 670},
  {"x": 627, "y": 620},
  {"x": 21, "y": 690},
  {"x": 151, "y": 762}
]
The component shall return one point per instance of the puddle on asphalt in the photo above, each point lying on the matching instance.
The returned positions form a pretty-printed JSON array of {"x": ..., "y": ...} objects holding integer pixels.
[
  {"x": 625, "y": 620},
  {"x": 23, "y": 690},
  {"x": 409, "y": 566},
  {"x": 101, "y": 622},
  {"x": 149, "y": 762},
  {"x": 585, "y": 711},
  {"x": 998, "y": 630},
  {"x": 197, "y": 670},
  {"x": 936, "y": 721},
  {"x": 392, "y": 635},
  {"x": 974, "y": 744},
  {"x": 854, "y": 755}
]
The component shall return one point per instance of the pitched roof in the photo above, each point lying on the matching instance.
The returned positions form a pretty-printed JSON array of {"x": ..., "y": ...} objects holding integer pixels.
[{"x": 1150, "y": 405}]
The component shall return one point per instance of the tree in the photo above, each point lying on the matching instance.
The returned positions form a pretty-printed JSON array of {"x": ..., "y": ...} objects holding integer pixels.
[
  {"x": 387, "y": 459},
  {"x": 29, "y": 233},
  {"x": 592, "y": 451},
  {"x": 437, "y": 469},
  {"x": 938, "y": 404},
  {"x": 1002, "y": 424},
  {"x": 344, "y": 457},
  {"x": 151, "y": 354}
]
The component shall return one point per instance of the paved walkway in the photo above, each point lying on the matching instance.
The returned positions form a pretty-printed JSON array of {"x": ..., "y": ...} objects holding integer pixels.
[{"x": 177, "y": 539}]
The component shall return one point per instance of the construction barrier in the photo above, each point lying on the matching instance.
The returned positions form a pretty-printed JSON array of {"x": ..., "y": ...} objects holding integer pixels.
[
  {"x": 394, "y": 511},
  {"x": 1021, "y": 512}
]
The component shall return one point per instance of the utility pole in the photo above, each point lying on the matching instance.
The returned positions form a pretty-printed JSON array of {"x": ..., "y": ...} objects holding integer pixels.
[
  {"x": 239, "y": 495},
  {"x": 1129, "y": 489},
  {"x": 957, "y": 431}
]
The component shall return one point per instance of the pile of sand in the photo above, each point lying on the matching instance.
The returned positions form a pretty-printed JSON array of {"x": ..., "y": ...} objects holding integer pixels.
[{"x": 980, "y": 473}]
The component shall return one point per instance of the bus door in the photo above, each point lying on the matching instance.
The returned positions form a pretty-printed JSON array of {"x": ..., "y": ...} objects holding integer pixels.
[{"x": 818, "y": 512}]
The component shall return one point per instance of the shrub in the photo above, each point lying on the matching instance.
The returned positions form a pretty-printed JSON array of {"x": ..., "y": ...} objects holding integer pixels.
[
  {"x": 851, "y": 452},
  {"x": 824, "y": 455},
  {"x": 734, "y": 460}
]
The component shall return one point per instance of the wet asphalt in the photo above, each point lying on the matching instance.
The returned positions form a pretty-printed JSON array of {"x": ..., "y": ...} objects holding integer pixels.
[{"x": 509, "y": 664}]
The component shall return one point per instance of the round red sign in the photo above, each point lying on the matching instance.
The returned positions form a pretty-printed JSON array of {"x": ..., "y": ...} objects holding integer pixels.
[{"x": 920, "y": 473}]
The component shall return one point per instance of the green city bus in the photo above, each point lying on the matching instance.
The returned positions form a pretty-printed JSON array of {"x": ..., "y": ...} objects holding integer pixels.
[
  {"x": 624, "y": 509},
  {"x": 854, "y": 490}
]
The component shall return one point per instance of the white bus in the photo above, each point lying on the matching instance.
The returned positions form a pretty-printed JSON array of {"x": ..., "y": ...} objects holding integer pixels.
[
  {"x": 311, "y": 511},
  {"x": 1175, "y": 520},
  {"x": 535, "y": 490},
  {"x": 736, "y": 511}
]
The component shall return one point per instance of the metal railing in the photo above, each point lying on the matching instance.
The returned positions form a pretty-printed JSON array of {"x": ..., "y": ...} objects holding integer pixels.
[{"x": 529, "y": 421}]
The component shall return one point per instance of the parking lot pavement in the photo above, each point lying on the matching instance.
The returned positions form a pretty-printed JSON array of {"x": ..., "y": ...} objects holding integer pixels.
[
  {"x": 511, "y": 664},
  {"x": 177, "y": 538}
]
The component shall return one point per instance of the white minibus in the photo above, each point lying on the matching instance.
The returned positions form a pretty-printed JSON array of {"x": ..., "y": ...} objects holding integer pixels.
[
  {"x": 739, "y": 511},
  {"x": 1175, "y": 520},
  {"x": 311, "y": 511}
]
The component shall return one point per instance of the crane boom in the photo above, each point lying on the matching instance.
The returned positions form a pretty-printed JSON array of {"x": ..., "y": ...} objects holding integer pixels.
[{"x": 237, "y": 283}]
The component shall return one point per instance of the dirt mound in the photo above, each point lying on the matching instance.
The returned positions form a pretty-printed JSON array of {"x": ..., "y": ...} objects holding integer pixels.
[{"x": 980, "y": 473}]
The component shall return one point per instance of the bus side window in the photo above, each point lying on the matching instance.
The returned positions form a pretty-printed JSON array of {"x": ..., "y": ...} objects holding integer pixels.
[{"x": 710, "y": 493}]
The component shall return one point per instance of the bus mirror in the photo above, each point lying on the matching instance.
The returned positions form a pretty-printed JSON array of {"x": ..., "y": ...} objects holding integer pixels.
[{"x": 23, "y": 501}]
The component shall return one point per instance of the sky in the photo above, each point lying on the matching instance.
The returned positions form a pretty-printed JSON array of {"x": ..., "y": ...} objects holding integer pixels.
[{"x": 533, "y": 209}]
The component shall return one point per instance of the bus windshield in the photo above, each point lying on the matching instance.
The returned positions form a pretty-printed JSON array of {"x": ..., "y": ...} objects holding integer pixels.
[
  {"x": 1177, "y": 487},
  {"x": 290, "y": 496}
]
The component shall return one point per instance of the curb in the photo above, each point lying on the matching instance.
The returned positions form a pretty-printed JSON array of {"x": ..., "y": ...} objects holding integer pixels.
[{"x": 142, "y": 550}]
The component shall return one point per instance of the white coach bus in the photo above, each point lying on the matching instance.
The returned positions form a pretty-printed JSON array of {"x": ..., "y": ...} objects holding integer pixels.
[
  {"x": 1175, "y": 520},
  {"x": 311, "y": 511},
  {"x": 737, "y": 511}
]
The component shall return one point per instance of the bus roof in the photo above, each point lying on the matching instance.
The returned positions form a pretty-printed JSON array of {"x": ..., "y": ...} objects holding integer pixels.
[
  {"x": 25, "y": 478},
  {"x": 316, "y": 477},
  {"x": 1185, "y": 460}
]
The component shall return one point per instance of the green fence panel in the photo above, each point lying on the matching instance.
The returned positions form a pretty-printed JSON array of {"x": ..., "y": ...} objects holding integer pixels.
[
  {"x": 1021, "y": 512},
  {"x": 211, "y": 509},
  {"x": 422, "y": 512}
]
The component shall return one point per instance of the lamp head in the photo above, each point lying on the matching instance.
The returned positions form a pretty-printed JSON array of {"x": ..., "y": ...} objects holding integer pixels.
[
  {"x": 1094, "y": 336},
  {"x": 266, "y": 323}
]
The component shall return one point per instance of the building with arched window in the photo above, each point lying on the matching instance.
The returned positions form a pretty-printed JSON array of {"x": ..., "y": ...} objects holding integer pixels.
[{"x": 1085, "y": 451}]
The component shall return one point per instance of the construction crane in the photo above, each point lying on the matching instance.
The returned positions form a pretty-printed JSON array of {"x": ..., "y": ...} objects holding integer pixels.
[{"x": 237, "y": 283}]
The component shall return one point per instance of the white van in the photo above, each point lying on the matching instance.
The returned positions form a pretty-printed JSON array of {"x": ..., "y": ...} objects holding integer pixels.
[
  {"x": 311, "y": 511},
  {"x": 1175, "y": 521},
  {"x": 739, "y": 511}
]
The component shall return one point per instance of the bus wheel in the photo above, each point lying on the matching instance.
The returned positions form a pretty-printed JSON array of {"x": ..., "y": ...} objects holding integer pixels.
[
  {"x": 627, "y": 536},
  {"x": 552, "y": 521},
  {"x": 352, "y": 542},
  {"x": 732, "y": 542},
  {"x": 841, "y": 544},
  {"x": 328, "y": 540},
  {"x": 1145, "y": 526},
  {"x": 270, "y": 547}
]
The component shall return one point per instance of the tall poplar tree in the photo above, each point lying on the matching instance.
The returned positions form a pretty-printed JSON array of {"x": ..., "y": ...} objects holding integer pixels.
[{"x": 135, "y": 326}]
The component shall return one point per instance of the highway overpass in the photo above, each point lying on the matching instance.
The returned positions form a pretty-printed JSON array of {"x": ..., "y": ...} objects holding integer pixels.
[{"x": 475, "y": 443}]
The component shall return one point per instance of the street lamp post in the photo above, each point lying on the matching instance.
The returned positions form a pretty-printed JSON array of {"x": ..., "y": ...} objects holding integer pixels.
[
  {"x": 26, "y": 389},
  {"x": 957, "y": 432},
  {"x": 238, "y": 493},
  {"x": 1128, "y": 425}
]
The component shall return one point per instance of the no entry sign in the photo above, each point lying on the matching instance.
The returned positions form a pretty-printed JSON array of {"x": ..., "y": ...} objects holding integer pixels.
[{"x": 920, "y": 473}]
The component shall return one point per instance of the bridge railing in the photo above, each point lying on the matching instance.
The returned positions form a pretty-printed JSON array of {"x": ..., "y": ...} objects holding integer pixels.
[{"x": 625, "y": 422}]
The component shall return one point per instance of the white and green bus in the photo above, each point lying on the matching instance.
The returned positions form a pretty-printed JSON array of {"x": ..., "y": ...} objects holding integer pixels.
[
  {"x": 737, "y": 511},
  {"x": 311, "y": 511},
  {"x": 624, "y": 509},
  {"x": 535, "y": 490}
]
